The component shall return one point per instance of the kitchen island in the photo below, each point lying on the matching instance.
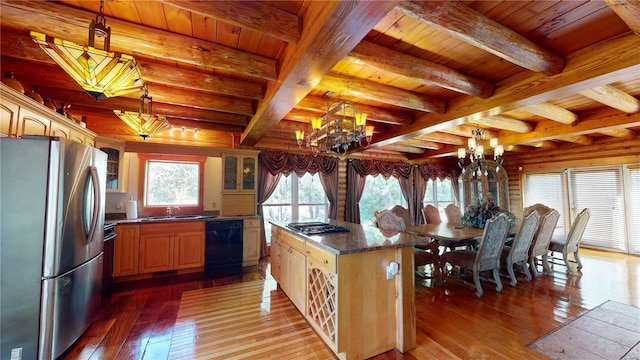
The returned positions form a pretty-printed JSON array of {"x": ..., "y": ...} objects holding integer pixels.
[{"x": 346, "y": 287}]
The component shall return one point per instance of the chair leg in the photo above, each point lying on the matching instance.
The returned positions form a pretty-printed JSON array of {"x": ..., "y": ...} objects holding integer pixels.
[
  {"x": 575, "y": 254},
  {"x": 565, "y": 257},
  {"x": 545, "y": 264},
  {"x": 527, "y": 276},
  {"x": 476, "y": 280},
  {"x": 496, "y": 277},
  {"x": 532, "y": 267},
  {"x": 514, "y": 281}
]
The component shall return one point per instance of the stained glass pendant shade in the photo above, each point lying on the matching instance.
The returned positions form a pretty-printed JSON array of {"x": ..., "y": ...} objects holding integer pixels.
[{"x": 101, "y": 73}]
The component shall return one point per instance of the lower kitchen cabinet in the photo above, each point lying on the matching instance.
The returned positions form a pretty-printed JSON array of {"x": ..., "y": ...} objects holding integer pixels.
[
  {"x": 154, "y": 247},
  {"x": 188, "y": 250},
  {"x": 251, "y": 242},
  {"x": 292, "y": 269},
  {"x": 156, "y": 252},
  {"x": 126, "y": 250}
]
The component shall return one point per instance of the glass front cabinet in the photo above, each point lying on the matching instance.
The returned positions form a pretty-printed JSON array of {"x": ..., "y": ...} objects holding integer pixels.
[
  {"x": 493, "y": 179},
  {"x": 116, "y": 163},
  {"x": 239, "y": 172}
]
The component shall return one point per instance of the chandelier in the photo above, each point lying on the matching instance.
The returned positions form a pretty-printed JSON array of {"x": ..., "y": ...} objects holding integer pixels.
[
  {"x": 144, "y": 122},
  {"x": 101, "y": 73},
  {"x": 336, "y": 130},
  {"x": 477, "y": 161}
]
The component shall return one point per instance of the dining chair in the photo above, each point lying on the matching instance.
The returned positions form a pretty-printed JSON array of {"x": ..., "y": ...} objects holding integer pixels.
[
  {"x": 540, "y": 244},
  {"x": 403, "y": 213},
  {"x": 487, "y": 257},
  {"x": 425, "y": 254},
  {"x": 517, "y": 253},
  {"x": 454, "y": 216},
  {"x": 571, "y": 244},
  {"x": 542, "y": 209},
  {"x": 431, "y": 215}
]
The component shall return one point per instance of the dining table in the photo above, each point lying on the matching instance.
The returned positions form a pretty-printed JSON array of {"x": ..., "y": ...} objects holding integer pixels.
[{"x": 450, "y": 235}]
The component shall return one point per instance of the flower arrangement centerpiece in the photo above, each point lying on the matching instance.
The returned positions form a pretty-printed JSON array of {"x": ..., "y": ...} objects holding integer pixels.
[{"x": 483, "y": 209}]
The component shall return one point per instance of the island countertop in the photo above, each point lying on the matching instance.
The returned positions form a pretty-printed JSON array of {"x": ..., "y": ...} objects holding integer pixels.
[{"x": 361, "y": 237}]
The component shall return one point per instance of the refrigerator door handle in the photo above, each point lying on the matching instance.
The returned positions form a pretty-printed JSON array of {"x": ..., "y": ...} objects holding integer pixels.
[{"x": 96, "y": 203}]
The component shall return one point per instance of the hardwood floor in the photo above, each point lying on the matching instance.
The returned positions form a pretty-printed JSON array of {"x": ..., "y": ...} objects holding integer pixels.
[{"x": 138, "y": 318}]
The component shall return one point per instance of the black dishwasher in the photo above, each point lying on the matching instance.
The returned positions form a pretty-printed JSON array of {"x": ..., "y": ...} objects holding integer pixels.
[{"x": 223, "y": 248}]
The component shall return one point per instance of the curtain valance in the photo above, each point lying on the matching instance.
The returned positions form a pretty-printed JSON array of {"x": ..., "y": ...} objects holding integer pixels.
[
  {"x": 384, "y": 168},
  {"x": 433, "y": 172},
  {"x": 279, "y": 162}
]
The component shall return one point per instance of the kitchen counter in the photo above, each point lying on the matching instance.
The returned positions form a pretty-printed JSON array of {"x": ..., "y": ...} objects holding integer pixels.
[
  {"x": 359, "y": 238},
  {"x": 178, "y": 218},
  {"x": 356, "y": 288}
]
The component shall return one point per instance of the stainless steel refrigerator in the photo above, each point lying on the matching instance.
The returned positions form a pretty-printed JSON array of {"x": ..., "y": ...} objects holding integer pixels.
[{"x": 51, "y": 231}]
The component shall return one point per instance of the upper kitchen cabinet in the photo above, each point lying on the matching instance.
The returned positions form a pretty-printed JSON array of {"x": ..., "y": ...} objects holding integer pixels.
[
  {"x": 239, "y": 183},
  {"x": 117, "y": 163},
  {"x": 239, "y": 172},
  {"x": 21, "y": 115}
]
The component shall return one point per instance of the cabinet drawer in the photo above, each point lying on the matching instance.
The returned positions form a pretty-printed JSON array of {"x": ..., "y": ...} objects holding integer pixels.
[
  {"x": 172, "y": 227},
  {"x": 321, "y": 258},
  {"x": 251, "y": 223},
  {"x": 292, "y": 241}
]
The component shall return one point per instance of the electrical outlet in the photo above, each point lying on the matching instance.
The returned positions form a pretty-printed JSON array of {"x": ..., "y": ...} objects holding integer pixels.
[
  {"x": 16, "y": 354},
  {"x": 214, "y": 205},
  {"x": 119, "y": 206}
]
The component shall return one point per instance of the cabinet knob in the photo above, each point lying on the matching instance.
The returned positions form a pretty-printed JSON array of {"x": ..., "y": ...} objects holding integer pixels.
[{"x": 326, "y": 261}]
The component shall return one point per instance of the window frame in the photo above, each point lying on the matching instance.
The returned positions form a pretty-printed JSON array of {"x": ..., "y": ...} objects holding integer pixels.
[{"x": 142, "y": 182}]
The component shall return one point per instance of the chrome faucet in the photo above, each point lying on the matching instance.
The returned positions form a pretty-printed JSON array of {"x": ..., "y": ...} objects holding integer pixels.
[{"x": 172, "y": 210}]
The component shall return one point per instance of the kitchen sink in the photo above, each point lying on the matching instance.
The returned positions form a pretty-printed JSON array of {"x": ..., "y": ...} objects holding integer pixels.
[{"x": 177, "y": 217}]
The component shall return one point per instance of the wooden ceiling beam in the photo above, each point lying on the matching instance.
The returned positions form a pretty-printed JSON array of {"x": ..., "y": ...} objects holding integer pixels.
[
  {"x": 330, "y": 30},
  {"x": 577, "y": 139},
  {"x": 403, "y": 148},
  {"x": 423, "y": 144},
  {"x": 603, "y": 63},
  {"x": 200, "y": 100},
  {"x": 443, "y": 137},
  {"x": 545, "y": 145},
  {"x": 620, "y": 133},
  {"x": 198, "y": 81},
  {"x": 78, "y": 98},
  {"x": 72, "y": 24},
  {"x": 596, "y": 123},
  {"x": 377, "y": 114},
  {"x": 399, "y": 63},
  {"x": 465, "y": 131},
  {"x": 381, "y": 93},
  {"x": 459, "y": 20},
  {"x": 254, "y": 16},
  {"x": 614, "y": 98},
  {"x": 21, "y": 47},
  {"x": 553, "y": 112},
  {"x": 628, "y": 11},
  {"x": 505, "y": 123}
]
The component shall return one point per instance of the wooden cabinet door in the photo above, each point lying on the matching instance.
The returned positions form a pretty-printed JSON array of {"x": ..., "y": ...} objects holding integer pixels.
[
  {"x": 8, "y": 119},
  {"x": 297, "y": 279},
  {"x": 60, "y": 130},
  {"x": 126, "y": 249},
  {"x": 32, "y": 124},
  {"x": 275, "y": 258},
  {"x": 189, "y": 250},
  {"x": 156, "y": 253},
  {"x": 251, "y": 245}
]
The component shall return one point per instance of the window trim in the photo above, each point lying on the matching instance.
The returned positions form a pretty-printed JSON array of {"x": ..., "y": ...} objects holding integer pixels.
[{"x": 161, "y": 210}]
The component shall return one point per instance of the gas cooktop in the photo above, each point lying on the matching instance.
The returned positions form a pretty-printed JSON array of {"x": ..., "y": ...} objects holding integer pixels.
[{"x": 314, "y": 228}]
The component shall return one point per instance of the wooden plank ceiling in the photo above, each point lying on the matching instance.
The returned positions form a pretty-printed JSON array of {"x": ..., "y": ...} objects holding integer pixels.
[{"x": 535, "y": 74}]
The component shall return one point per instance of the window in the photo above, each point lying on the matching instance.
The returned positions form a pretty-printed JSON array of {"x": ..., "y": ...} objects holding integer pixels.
[
  {"x": 379, "y": 194},
  {"x": 171, "y": 181},
  {"x": 439, "y": 194},
  {"x": 295, "y": 199},
  {"x": 547, "y": 189}
]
